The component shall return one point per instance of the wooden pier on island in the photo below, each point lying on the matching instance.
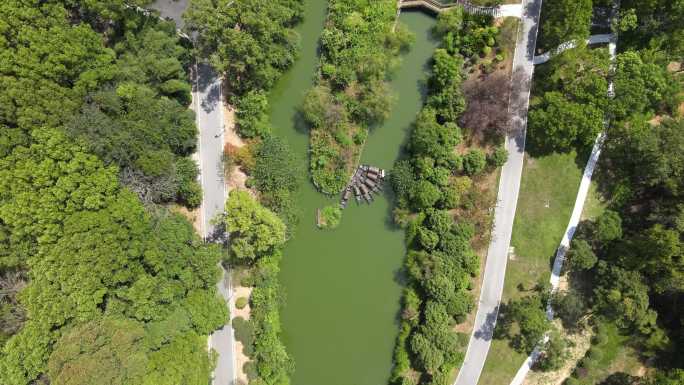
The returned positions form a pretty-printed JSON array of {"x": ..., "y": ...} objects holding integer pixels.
[{"x": 366, "y": 181}]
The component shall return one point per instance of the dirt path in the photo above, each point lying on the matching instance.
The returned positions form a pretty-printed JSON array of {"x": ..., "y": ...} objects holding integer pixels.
[
  {"x": 235, "y": 178},
  {"x": 240, "y": 358}
]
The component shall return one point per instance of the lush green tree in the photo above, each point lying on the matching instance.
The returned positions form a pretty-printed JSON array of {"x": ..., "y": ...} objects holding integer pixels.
[
  {"x": 530, "y": 316},
  {"x": 570, "y": 307},
  {"x": 277, "y": 175},
  {"x": 659, "y": 25},
  {"x": 425, "y": 194},
  {"x": 608, "y": 226},
  {"x": 255, "y": 231},
  {"x": 321, "y": 110},
  {"x": 94, "y": 251},
  {"x": 446, "y": 96},
  {"x": 554, "y": 353},
  {"x": 641, "y": 86},
  {"x": 151, "y": 53},
  {"x": 277, "y": 167},
  {"x": 49, "y": 65},
  {"x": 183, "y": 361},
  {"x": 498, "y": 158},
  {"x": 672, "y": 377},
  {"x": 622, "y": 296},
  {"x": 403, "y": 181},
  {"x": 559, "y": 124},
  {"x": 331, "y": 216},
  {"x": 252, "y": 118},
  {"x": 429, "y": 138},
  {"x": 252, "y": 41},
  {"x": 474, "y": 162},
  {"x": 449, "y": 21},
  {"x": 580, "y": 255},
  {"x": 132, "y": 127},
  {"x": 565, "y": 20}
]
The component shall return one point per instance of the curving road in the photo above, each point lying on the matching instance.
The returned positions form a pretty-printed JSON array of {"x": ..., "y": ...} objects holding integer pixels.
[{"x": 507, "y": 198}]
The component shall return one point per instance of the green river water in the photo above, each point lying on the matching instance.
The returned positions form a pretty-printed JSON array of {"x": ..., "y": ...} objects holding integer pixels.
[{"x": 342, "y": 287}]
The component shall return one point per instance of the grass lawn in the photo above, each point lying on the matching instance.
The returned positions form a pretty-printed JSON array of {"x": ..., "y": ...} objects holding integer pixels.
[{"x": 547, "y": 195}]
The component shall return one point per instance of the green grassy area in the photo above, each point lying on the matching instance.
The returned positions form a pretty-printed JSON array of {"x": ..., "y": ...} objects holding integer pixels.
[
  {"x": 547, "y": 195},
  {"x": 610, "y": 354}
]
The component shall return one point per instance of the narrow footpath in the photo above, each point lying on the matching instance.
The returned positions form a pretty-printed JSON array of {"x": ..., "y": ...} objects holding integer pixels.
[{"x": 507, "y": 198}]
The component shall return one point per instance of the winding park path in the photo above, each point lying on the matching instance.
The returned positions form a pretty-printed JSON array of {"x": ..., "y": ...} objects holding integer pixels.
[
  {"x": 574, "y": 217},
  {"x": 507, "y": 198}
]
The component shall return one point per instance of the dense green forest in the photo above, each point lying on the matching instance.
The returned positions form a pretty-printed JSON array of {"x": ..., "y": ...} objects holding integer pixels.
[
  {"x": 359, "y": 48},
  {"x": 120, "y": 89},
  {"x": 95, "y": 287},
  {"x": 626, "y": 268},
  {"x": 433, "y": 196}
]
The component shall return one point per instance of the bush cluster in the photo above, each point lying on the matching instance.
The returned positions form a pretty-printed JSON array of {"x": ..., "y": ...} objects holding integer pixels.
[
  {"x": 257, "y": 237},
  {"x": 429, "y": 185}
]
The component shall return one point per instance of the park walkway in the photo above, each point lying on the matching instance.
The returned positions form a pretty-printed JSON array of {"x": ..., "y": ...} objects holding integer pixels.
[
  {"x": 507, "y": 198},
  {"x": 576, "y": 213},
  {"x": 592, "y": 40}
]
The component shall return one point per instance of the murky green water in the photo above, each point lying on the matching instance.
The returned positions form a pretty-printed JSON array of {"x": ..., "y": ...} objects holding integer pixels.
[{"x": 342, "y": 288}]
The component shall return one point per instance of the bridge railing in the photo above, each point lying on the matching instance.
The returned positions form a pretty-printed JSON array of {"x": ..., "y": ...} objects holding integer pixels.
[{"x": 468, "y": 7}]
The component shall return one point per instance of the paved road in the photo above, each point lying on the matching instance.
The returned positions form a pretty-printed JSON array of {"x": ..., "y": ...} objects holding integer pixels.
[
  {"x": 207, "y": 107},
  {"x": 507, "y": 198},
  {"x": 207, "y": 98}
]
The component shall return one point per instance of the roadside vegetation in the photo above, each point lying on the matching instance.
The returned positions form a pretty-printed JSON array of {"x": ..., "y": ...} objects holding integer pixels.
[
  {"x": 257, "y": 237},
  {"x": 359, "y": 48},
  {"x": 610, "y": 284},
  {"x": 98, "y": 283},
  {"x": 252, "y": 43},
  {"x": 435, "y": 203}
]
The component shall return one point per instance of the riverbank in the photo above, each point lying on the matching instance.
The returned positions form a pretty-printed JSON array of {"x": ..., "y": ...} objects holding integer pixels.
[{"x": 343, "y": 286}]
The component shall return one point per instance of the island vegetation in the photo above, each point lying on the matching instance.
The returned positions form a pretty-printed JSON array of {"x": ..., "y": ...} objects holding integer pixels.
[{"x": 359, "y": 48}]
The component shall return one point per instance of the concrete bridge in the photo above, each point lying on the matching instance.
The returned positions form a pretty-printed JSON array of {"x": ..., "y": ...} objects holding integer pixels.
[{"x": 435, "y": 6}]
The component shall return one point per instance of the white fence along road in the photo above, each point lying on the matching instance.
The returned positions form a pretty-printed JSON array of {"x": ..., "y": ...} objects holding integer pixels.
[{"x": 593, "y": 39}]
